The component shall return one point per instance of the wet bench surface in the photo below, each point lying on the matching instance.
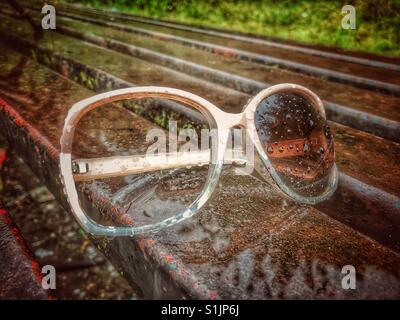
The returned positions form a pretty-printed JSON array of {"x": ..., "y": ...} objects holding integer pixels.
[
  {"x": 19, "y": 272},
  {"x": 248, "y": 242}
]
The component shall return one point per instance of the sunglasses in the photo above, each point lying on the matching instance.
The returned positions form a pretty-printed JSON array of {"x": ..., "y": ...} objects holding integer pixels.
[{"x": 152, "y": 178}]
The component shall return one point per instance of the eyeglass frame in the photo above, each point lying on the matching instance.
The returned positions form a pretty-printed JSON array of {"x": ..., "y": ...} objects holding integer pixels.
[{"x": 216, "y": 117}]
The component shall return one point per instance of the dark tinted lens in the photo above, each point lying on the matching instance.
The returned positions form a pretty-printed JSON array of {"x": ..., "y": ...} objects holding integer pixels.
[{"x": 297, "y": 141}]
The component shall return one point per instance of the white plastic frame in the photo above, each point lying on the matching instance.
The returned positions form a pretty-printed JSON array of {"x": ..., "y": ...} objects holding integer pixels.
[{"x": 216, "y": 118}]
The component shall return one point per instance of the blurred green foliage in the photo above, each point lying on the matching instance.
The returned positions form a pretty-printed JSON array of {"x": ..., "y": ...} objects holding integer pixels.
[{"x": 318, "y": 22}]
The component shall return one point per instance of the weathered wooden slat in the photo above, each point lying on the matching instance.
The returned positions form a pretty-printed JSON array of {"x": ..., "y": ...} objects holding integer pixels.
[
  {"x": 204, "y": 246},
  {"x": 221, "y": 240},
  {"x": 20, "y": 273},
  {"x": 114, "y": 15},
  {"x": 358, "y": 119},
  {"x": 260, "y": 58},
  {"x": 362, "y": 100},
  {"x": 369, "y": 77},
  {"x": 247, "y": 242},
  {"x": 366, "y": 109},
  {"x": 372, "y": 150},
  {"x": 374, "y": 60},
  {"x": 138, "y": 72}
]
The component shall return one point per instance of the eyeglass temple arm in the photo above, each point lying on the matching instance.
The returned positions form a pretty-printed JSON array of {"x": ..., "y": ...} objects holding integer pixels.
[
  {"x": 97, "y": 168},
  {"x": 89, "y": 169}
]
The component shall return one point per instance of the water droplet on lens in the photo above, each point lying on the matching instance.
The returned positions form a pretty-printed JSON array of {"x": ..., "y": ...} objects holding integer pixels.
[{"x": 292, "y": 123}]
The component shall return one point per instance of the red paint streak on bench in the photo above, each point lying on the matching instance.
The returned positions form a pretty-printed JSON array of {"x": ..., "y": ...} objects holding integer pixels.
[{"x": 33, "y": 133}]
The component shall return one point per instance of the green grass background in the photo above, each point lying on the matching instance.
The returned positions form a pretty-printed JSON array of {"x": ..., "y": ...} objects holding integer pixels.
[{"x": 316, "y": 22}]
